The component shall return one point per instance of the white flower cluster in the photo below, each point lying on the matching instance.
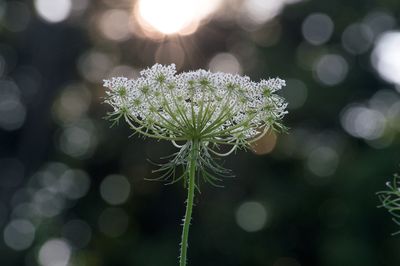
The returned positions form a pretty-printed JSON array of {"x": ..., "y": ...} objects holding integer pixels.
[{"x": 197, "y": 105}]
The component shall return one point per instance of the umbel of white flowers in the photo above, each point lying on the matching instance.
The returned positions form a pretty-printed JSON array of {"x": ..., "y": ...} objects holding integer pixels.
[
  {"x": 198, "y": 111},
  {"x": 214, "y": 108}
]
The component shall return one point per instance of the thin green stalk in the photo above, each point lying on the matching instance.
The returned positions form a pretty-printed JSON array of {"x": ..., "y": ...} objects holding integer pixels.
[{"x": 189, "y": 202}]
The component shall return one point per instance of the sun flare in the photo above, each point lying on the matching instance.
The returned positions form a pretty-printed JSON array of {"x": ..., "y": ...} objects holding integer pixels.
[{"x": 174, "y": 16}]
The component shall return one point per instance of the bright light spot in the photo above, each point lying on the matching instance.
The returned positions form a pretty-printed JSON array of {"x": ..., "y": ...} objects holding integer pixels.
[
  {"x": 19, "y": 234},
  {"x": 357, "y": 38},
  {"x": 362, "y": 122},
  {"x": 225, "y": 62},
  {"x": 54, "y": 252},
  {"x": 323, "y": 161},
  {"x": 386, "y": 56},
  {"x": 331, "y": 69},
  {"x": 174, "y": 16},
  {"x": 115, "y": 189},
  {"x": 251, "y": 216},
  {"x": 53, "y": 11},
  {"x": 317, "y": 28},
  {"x": 113, "y": 222}
]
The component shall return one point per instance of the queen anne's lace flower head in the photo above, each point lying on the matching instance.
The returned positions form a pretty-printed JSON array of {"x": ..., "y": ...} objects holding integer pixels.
[
  {"x": 201, "y": 110},
  {"x": 213, "y": 108}
]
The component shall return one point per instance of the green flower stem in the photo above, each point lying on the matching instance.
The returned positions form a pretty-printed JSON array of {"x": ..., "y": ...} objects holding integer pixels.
[{"x": 189, "y": 202}]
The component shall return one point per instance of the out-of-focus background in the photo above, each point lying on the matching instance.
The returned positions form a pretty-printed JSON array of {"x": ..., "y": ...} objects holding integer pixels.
[{"x": 72, "y": 189}]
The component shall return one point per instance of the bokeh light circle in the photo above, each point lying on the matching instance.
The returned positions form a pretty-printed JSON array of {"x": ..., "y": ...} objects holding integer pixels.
[
  {"x": 115, "y": 189},
  {"x": 53, "y": 11},
  {"x": 386, "y": 56},
  {"x": 19, "y": 234},
  {"x": 251, "y": 216},
  {"x": 55, "y": 252},
  {"x": 317, "y": 28}
]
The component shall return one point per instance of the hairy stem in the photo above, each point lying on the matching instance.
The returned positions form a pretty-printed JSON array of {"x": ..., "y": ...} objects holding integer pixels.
[{"x": 189, "y": 202}]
